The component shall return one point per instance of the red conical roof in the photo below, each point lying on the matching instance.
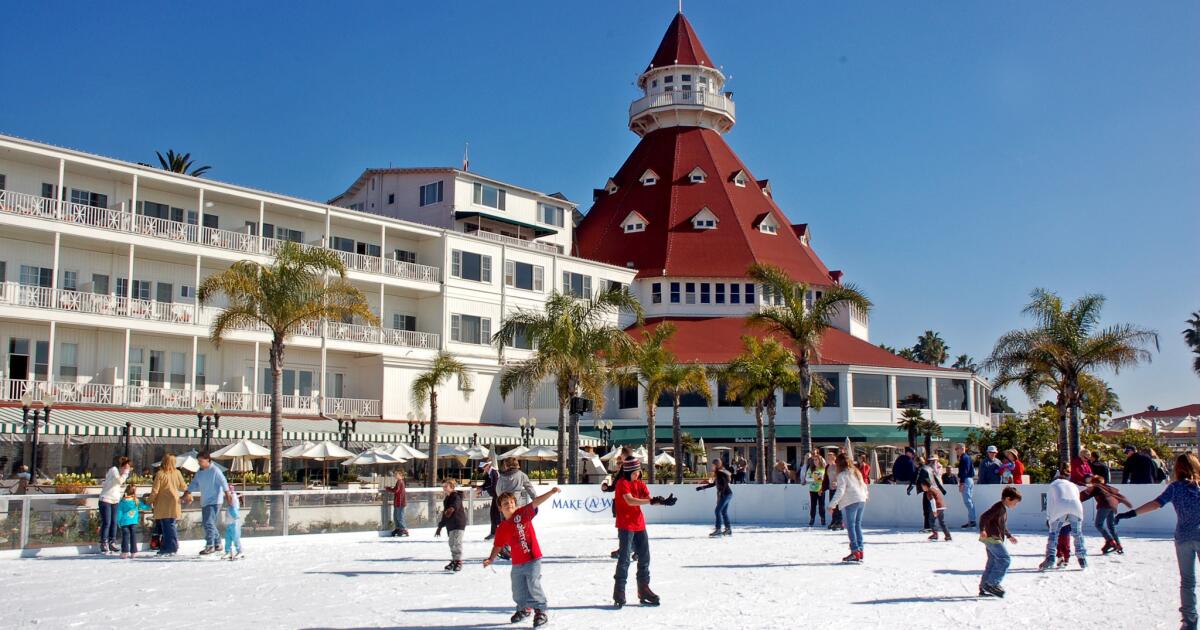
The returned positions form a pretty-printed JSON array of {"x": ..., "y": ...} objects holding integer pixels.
[
  {"x": 680, "y": 46},
  {"x": 670, "y": 245}
]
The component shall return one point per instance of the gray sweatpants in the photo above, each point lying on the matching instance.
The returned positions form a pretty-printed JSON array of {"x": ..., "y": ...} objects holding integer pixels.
[
  {"x": 527, "y": 585},
  {"x": 455, "y": 538}
]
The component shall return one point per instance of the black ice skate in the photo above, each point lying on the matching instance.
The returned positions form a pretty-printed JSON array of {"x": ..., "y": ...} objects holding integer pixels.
[
  {"x": 520, "y": 615},
  {"x": 994, "y": 589},
  {"x": 727, "y": 532},
  {"x": 449, "y": 566},
  {"x": 716, "y": 533},
  {"x": 618, "y": 596},
  {"x": 540, "y": 619},
  {"x": 457, "y": 566}
]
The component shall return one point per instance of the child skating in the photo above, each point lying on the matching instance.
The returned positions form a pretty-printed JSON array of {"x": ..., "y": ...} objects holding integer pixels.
[
  {"x": 233, "y": 526},
  {"x": 937, "y": 505},
  {"x": 993, "y": 532},
  {"x": 1108, "y": 500},
  {"x": 129, "y": 511},
  {"x": 454, "y": 519},
  {"x": 1063, "y": 552},
  {"x": 516, "y": 532},
  {"x": 631, "y": 495},
  {"x": 721, "y": 479}
]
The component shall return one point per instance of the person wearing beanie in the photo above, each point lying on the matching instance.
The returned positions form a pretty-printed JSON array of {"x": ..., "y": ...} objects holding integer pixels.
[
  {"x": 609, "y": 484},
  {"x": 631, "y": 495}
]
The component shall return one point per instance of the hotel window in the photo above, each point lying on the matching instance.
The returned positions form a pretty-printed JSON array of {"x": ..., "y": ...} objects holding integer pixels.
[
  {"x": 367, "y": 249},
  {"x": 521, "y": 339},
  {"x": 3, "y": 182},
  {"x": 49, "y": 191},
  {"x": 178, "y": 370},
  {"x": 722, "y": 396},
  {"x": 391, "y": 198},
  {"x": 656, "y": 293},
  {"x": 523, "y": 275},
  {"x": 342, "y": 244},
  {"x": 157, "y": 374},
  {"x": 870, "y": 390},
  {"x": 89, "y": 198},
  {"x": 201, "y": 371},
  {"x": 689, "y": 293},
  {"x": 833, "y": 391},
  {"x": 576, "y": 284},
  {"x": 675, "y": 292},
  {"x": 489, "y": 196},
  {"x": 470, "y": 329},
  {"x": 400, "y": 321},
  {"x": 912, "y": 392},
  {"x": 431, "y": 193},
  {"x": 335, "y": 384},
  {"x": 689, "y": 399},
  {"x": 952, "y": 394},
  {"x": 37, "y": 276},
  {"x": 41, "y": 356},
  {"x": 70, "y": 281},
  {"x": 186, "y": 291},
  {"x": 136, "y": 360},
  {"x": 697, "y": 176},
  {"x": 552, "y": 215},
  {"x": 669, "y": 79},
  {"x": 99, "y": 284},
  {"x": 735, "y": 297},
  {"x": 627, "y": 397},
  {"x": 705, "y": 224},
  {"x": 469, "y": 266},
  {"x": 404, "y": 255},
  {"x": 165, "y": 293},
  {"x": 635, "y": 227},
  {"x": 720, "y": 297},
  {"x": 749, "y": 292},
  {"x": 705, "y": 293},
  {"x": 654, "y": 83},
  {"x": 68, "y": 362},
  {"x": 141, "y": 289}
]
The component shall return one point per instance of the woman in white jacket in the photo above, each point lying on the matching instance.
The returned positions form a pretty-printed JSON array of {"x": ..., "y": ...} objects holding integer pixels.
[
  {"x": 110, "y": 496},
  {"x": 851, "y": 498}
]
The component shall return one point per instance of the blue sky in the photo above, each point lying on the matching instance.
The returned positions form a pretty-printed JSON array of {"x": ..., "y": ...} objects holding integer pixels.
[{"x": 950, "y": 157}]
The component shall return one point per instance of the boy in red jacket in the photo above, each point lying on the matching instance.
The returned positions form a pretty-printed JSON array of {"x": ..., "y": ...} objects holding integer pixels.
[
  {"x": 516, "y": 532},
  {"x": 631, "y": 494}
]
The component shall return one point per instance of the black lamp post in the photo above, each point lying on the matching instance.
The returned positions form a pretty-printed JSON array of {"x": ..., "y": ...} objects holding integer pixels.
[
  {"x": 416, "y": 431},
  {"x": 40, "y": 416},
  {"x": 346, "y": 427},
  {"x": 527, "y": 427},
  {"x": 208, "y": 420},
  {"x": 126, "y": 433},
  {"x": 605, "y": 428}
]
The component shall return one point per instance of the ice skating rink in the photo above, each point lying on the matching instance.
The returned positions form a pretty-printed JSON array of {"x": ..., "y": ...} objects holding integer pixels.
[{"x": 760, "y": 578}]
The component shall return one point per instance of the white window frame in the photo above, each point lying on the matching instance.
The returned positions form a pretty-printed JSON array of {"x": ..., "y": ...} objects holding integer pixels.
[
  {"x": 485, "y": 266},
  {"x": 538, "y": 273},
  {"x": 434, "y": 186},
  {"x": 485, "y": 329},
  {"x": 478, "y": 196}
]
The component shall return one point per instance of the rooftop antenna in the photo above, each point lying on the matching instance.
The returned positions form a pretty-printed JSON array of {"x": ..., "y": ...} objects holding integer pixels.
[{"x": 466, "y": 164}]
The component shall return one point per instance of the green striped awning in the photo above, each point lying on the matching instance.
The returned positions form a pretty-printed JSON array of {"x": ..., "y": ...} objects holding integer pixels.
[{"x": 783, "y": 432}]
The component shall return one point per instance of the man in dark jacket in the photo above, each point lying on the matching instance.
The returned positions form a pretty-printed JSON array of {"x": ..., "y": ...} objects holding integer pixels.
[
  {"x": 925, "y": 474},
  {"x": 989, "y": 468},
  {"x": 1139, "y": 468},
  {"x": 966, "y": 482},
  {"x": 1099, "y": 467},
  {"x": 904, "y": 470},
  {"x": 490, "y": 479}
]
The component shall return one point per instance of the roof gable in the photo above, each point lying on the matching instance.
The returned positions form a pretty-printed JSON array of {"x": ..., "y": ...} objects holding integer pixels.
[
  {"x": 649, "y": 178},
  {"x": 680, "y": 46}
]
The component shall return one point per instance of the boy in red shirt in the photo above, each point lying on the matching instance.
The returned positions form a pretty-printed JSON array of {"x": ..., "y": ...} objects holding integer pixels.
[
  {"x": 399, "y": 502},
  {"x": 516, "y": 532},
  {"x": 631, "y": 494}
]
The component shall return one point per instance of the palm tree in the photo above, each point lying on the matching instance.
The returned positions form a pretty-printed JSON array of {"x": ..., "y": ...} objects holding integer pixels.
[
  {"x": 744, "y": 383},
  {"x": 293, "y": 290},
  {"x": 642, "y": 364},
  {"x": 1191, "y": 336},
  {"x": 180, "y": 163},
  {"x": 1065, "y": 344},
  {"x": 911, "y": 421},
  {"x": 965, "y": 362},
  {"x": 572, "y": 338},
  {"x": 803, "y": 325},
  {"x": 931, "y": 348},
  {"x": 930, "y": 429},
  {"x": 764, "y": 368},
  {"x": 677, "y": 380},
  {"x": 424, "y": 389}
]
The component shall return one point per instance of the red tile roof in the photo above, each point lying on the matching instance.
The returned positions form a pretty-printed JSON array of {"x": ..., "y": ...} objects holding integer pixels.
[
  {"x": 670, "y": 245},
  {"x": 717, "y": 340},
  {"x": 680, "y": 45},
  {"x": 1175, "y": 412}
]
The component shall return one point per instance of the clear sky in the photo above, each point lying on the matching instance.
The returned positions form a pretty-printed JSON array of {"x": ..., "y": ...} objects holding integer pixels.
[{"x": 950, "y": 157}]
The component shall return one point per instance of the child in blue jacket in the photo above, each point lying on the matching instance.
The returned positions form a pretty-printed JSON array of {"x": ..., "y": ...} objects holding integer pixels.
[
  {"x": 128, "y": 517},
  {"x": 233, "y": 525}
]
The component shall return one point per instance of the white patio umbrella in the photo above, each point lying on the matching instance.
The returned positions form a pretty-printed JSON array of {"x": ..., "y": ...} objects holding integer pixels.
[
  {"x": 324, "y": 452},
  {"x": 243, "y": 448},
  {"x": 664, "y": 459},
  {"x": 515, "y": 453},
  {"x": 294, "y": 452},
  {"x": 849, "y": 450},
  {"x": 540, "y": 454},
  {"x": 403, "y": 451},
  {"x": 874, "y": 464},
  {"x": 478, "y": 452},
  {"x": 373, "y": 457},
  {"x": 640, "y": 453},
  {"x": 616, "y": 450},
  {"x": 187, "y": 461},
  {"x": 703, "y": 451}
]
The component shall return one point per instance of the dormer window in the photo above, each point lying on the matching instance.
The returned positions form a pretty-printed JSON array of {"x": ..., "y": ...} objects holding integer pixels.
[
  {"x": 611, "y": 187},
  {"x": 697, "y": 176},
  {"x": 740, "y": 179},
  {"x": 649, "y": 178},
  {"x": 766, "y": 224},
  {"x": 634, "y": 222},
  {"x": 704, "y": 220}
]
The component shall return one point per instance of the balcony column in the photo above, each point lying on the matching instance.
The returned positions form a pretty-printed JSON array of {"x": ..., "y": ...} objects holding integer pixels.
[
  {"x": 195, "y": 347},
  {"x": 133, "y": 201},
  {"x": 257, "y": 372},
  {"x": 321, "y": 376},
  {"x": 382, "y": 307},
  {"x": 50, "y": 357},
  {"x": 129, "y": 281},
  {"x": 124, "y": 384},
  {"x": 62, "y": 173},
  {"x": 195, "y": 293},
  {"x": 382, "y": 244},
  {"x": 54, "y": 281},
  {"x": 262, "y": 211},
  {"x": 327, "y": 240},
  {"x": 200, "y": 216}
]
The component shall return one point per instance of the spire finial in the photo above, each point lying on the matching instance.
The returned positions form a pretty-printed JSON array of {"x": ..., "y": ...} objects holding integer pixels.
[
  {"x": 466, "y": 156},
  {"x": 681, "y": 6}
]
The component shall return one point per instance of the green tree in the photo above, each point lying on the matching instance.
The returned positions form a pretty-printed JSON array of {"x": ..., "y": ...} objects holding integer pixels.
[
  {"x": 911, "y": 422},
  {"x": 1033, "y": 434},
  {"x": 763, "y": 368},
  {"x": 571, "y": 337},
  {"x": 424, "y": 389},
  {"x": 1191, "y": 336},
  {"x": 180, "y": 163},
  {"x": 679, "y": 379},
  {"x": 293, "y": 290},
  {"x": 1111, "y": 447},
  {"x": 1066, "y": 343},
  {"x": 930, "y": 429},
  {"x": 803, "y": 324},
  {"x": 931, "y": 348},
  {"x": 642, "y": 364},
  {"x": 965, "y": 362},
  {"x": 1000, "y": 404}
]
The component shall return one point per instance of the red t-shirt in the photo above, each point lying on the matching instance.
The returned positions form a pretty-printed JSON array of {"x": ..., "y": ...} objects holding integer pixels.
[
  {"x": 398, "y": 497},
  {"x": 629, "y": 517},
  {"x": 517, "y": 534}
]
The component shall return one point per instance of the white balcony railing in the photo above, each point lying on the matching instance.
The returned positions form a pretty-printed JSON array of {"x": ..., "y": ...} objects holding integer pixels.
[
  {"x": 362, "y": 407},
  {"x": 707, "y": 100},
  {"x": 518, "y": 242},
  {"x": 109, "y": 219}
]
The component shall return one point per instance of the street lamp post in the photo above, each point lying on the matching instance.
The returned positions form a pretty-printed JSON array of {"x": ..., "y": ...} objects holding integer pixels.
[
  {"x": 605, "y": 428},
  {"x": 40, "y": 416},
  {"x": 416, "y": 431},
  {"x": 347, "y": 427},
  {"x": 126, "y": 433},
  {"x": 527, "y": 427},
  {"x": 208, "y": 419}
]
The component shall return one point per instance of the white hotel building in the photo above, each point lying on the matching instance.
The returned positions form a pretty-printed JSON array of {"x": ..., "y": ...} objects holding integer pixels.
[{"x": 99, "y": 261}]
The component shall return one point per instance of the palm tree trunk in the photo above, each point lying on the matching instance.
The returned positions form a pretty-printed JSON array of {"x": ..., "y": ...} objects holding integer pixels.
[
  {"x": 1064, "y": 432},
  {"x": 650, "y": 435},
  {"x": 1073, "y": 407},
  {"x": 431, "y": 470},
  {"x": 928, "y": 445},
  {"x": 572, "y": 454},
  {"x": 912, "y": 441},
  {"x": 562, "y": 439},
  {"x": 771, "y": 448},
  {"x": 677, "y": 441},
  {"x": 805, "y": 390},
  {"x": 759, "y": 467},
  {"x": 276, "y": 360}
]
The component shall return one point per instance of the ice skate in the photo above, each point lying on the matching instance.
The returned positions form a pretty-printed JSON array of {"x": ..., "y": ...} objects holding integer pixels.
[
  {"x": 1082, "y": 562},
  {"x": 457, "y": 566},
  {"x": 618, "y": 596},
  {"x": 948, "y": 539},
  {"x": 853, "y": 557},
  {"x": 716, "y": 533},
  {"x": 449, "y": 566},
  {"x": 208, "y": 551},
  {"x": 647, "y": 596},
  {"x": 727, "y": 532},
  {"x": 540, "y": 618},
  {"x": 1062, "y": 562},
  {"x": 1119, "y": 549},
  {"x": 993, "y": 589},
  {"x": 1046, "y": 564},
  {"x": 933, "y": 536},
  {"x": 520, "y": 615},
  {"x": 1108, "y": 548}
]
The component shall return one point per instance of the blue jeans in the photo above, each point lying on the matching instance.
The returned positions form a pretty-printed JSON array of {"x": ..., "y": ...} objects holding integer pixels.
[
  {"x": 1106, "y": 523},
  {"x": 398, "y": 518},
  {"x": 722, "y": 510},
  {"x": 997, "y": 564},
  {"x": 527, "y": 585},
  {"x": 169, "y": 543},
  {"x": 1186, "y": 552},
  {"x": 108, "y": 523},
  {"x": 129, "y": 539},
  {"x": 632, "y": 542},
  {"x": 208, "y": 515},
  {"x": 1076, "y": 530},
  {"x": 852, "y": 517},
  {"x": 968, "y": 494}
]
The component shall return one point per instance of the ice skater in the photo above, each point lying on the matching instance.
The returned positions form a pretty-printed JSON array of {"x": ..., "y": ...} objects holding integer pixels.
[
  {"x": 835, "y": 518},
  {"x": 233, "y": 526},
  {"x": 454, "y": 520},
  {"x": 937, "y": 509},
  {"x": 722, "y": 480},
  {"x": 814, "y": 475},
  {"x": 399, "y": 502},
  {"x": 925, "y": 472},
  {"x": 490, "y": 479},
  {"x": 129, "y": 511},
  {"x": 631, "y": 495},
  {"x": 1062, "y": 551},
  {"x": 993, "y": 532},
  {"x": 516, "y": 533},
  {"x": 1108, "y": 499},
  {"x": 210, "y": 482},
  {"x": 1063, "y": 507},
  {"x": 851, "y": 498},
  {"x": 610, "y": 484}
]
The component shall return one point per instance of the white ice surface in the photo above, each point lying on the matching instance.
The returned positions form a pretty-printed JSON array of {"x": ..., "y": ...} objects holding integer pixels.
[{"x": 759, "y": 578}]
